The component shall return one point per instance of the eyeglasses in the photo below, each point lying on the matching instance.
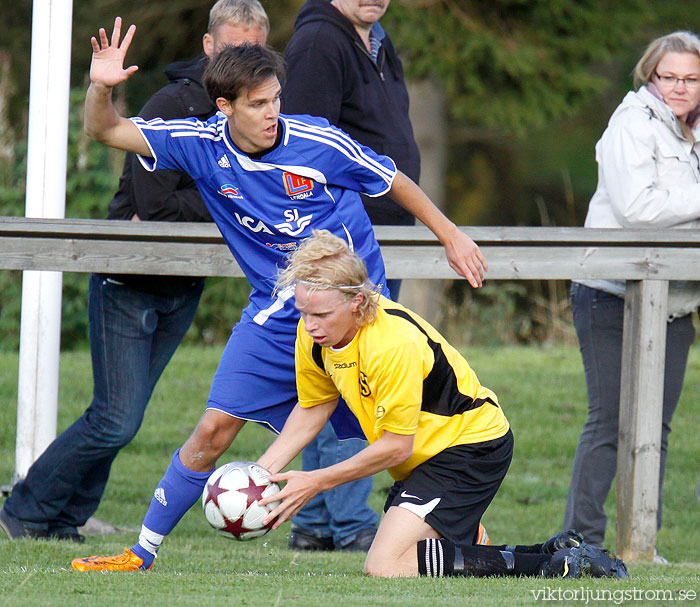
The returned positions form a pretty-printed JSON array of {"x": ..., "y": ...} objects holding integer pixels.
[{"x": 670, "y": 82}]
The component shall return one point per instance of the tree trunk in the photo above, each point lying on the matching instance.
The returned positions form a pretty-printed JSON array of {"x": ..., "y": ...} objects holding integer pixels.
[{"x": 430, "y": 128}]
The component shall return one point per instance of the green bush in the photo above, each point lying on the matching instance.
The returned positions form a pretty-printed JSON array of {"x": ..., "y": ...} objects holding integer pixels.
[{"x": 92, "y": 178}]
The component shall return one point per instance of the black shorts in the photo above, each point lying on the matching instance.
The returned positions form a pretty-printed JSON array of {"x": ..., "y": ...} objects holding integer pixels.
[{"x": 452, "y": 489}]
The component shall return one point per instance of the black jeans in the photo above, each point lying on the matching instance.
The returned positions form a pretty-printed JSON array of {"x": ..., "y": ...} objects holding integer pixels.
[{"x": 598, "y": 318}]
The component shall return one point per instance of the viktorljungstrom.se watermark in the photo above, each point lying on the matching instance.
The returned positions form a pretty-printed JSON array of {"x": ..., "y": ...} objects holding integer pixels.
[{"x": 619, "y": 596}]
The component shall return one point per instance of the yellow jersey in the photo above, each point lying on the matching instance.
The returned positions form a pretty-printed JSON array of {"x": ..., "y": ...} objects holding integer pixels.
[{"x": 399, "y": 374}]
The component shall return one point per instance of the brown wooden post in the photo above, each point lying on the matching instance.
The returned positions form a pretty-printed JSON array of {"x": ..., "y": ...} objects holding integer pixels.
[{"x": 641, "y": 395}]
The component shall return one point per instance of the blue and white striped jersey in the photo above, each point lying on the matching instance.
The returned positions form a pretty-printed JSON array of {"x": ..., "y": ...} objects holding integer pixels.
[{"x": 265, "y": 205}]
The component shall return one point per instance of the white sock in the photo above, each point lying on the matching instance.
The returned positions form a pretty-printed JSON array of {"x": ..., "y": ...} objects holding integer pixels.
[{"x": 150, "y": 540}]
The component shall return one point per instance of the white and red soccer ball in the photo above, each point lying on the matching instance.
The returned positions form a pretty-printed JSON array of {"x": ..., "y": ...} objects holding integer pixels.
[{"x": 230, "y": 500}]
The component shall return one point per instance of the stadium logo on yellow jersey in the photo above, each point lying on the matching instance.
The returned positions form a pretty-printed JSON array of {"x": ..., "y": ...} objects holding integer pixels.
[{"x": 345, "y": 365}]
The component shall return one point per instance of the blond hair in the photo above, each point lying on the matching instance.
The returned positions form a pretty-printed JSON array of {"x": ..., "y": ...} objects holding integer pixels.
[
  {"x": 246, "y": 13},
  {"x": 323, "y": 262},
  {"x": 675, "y": 42}
]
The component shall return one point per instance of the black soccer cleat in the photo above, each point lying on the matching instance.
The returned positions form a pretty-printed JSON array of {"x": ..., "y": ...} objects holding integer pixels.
[
  {"x": 302, "y": 539},
  {"x": 564, "y": 539},
  {"x": 565, "y": 563},
  {"x": 599, "y": 562}
]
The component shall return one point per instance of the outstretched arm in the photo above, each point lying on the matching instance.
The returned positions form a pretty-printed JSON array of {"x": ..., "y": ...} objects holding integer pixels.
[
  {"x": 302, "y": 425},
  {"x": 462, "y": 252},
  {"x": 102, "y": 122}
]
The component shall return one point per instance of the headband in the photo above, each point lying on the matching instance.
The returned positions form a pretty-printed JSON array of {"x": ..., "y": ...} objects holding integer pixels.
[{"x": 323, "y": 285}]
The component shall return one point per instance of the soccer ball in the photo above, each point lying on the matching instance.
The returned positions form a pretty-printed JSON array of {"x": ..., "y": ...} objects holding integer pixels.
[{"x": 230, "y": 500}]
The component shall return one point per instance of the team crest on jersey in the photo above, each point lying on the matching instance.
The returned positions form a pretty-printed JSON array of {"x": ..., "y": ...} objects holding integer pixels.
[
  {"x": 224, "y": 162},
  {"x": 295, "y": 223},
  {"x": 297, "y": 187},
  {"x": 230, "y": 191},
  {"x": 364, "y": 385}
]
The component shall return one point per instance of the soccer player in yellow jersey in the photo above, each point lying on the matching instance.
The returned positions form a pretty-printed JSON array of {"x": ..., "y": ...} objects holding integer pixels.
[{"x": 441, "y": 435}]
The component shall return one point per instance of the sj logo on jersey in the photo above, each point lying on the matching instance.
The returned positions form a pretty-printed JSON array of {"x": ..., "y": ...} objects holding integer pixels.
[
  {"x": 297, "y": 187},
  {"x": 295, "y": 223}
]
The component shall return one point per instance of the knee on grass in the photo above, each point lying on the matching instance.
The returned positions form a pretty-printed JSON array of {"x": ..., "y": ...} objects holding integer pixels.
[
  {"x": 383, "y": 565},
  {"x": 389, "y": 570}
]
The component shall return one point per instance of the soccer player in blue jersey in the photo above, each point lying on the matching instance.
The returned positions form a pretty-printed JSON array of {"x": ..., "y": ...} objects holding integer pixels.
[{"x": 268, "y": 180}]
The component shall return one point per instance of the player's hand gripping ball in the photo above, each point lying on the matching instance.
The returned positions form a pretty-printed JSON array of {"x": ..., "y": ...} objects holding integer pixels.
[{"x": 230, "y": 500}]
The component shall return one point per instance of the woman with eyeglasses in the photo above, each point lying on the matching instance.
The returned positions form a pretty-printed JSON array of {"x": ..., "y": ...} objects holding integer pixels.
[{"x": 648, "y": 177}]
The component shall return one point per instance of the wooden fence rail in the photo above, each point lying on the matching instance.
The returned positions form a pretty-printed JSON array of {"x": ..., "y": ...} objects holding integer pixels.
[
  {"x": 647, "y": 259},
  {"x": 197, "y": 249}
]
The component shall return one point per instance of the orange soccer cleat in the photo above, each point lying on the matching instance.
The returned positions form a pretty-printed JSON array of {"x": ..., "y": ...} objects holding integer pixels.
[{"x": 126, "y": 561}]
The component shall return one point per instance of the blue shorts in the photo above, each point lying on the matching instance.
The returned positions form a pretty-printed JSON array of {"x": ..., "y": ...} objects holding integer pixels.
[{"x": 255, "y": 381}]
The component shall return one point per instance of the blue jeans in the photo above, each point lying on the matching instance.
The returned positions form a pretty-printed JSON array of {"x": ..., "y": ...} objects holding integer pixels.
[
  {"x": 598, "y": 318},
  {"x": 341, "y": 512},
  {"x": 133, "y": 335},
  {"x": 394, "y": 286}
]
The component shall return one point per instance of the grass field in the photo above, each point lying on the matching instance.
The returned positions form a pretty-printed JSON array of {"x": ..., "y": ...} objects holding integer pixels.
[{"x": 543, "y": 394}]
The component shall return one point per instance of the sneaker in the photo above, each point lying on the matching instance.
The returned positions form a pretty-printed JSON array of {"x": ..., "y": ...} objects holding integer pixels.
[
  {"x": 126, "y": 561},
  {"x": 362, "y": 541},
  {"x": 599, "y": 562},
  {"x": 565, "y": 539},
  {"x": 302, "y": 539},
  {"x": 15, "y": 528},
  {"x": 565, "y": 563},
  {"x": 658, "y": 559}
]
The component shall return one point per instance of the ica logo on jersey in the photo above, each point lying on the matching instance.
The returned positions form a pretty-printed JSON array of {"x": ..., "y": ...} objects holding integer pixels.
[
  {"x": 297, "y": 187},
  {"x": 295, "y": 223},
  {"x": 252, "y": 224}
]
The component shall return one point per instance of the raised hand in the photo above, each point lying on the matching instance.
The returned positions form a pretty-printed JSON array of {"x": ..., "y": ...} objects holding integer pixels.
[{"x": 107, "y": 67}]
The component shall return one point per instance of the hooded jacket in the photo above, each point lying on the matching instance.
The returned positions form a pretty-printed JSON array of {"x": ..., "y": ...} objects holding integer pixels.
[
  {"x": 648, "y": 177},
  {"x": 331, "y": 74},
  {"x": 166, "y": 195}
]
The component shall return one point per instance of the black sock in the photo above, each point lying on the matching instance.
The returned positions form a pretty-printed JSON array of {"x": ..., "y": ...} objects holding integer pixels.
[
  {"x": 438, "y": 558},
  {"x": 435, "y": 557},
  {"x": 531, "y": 549}
]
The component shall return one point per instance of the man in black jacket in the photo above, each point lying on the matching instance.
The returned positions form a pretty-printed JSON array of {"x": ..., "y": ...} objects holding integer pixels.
[
  {"x": 341, "y": 65},
  {"x": 136, "y": 321}
]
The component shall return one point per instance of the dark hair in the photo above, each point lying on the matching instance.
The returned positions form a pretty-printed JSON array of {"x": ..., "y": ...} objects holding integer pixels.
[{"x": 239, "y": 68}]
